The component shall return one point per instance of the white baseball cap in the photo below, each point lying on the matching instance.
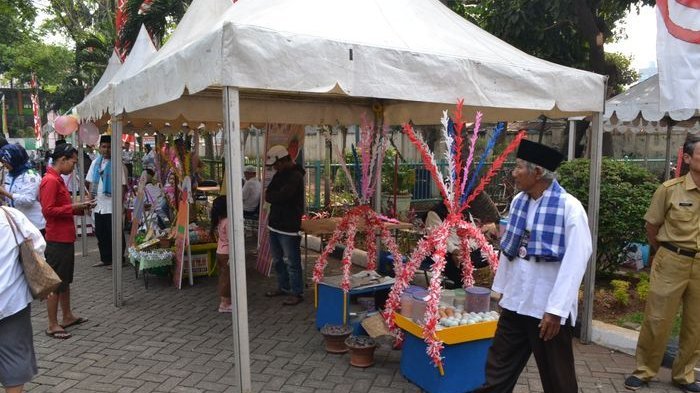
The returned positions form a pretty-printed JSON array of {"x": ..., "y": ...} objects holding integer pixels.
[{"x": 275, "y": 153}]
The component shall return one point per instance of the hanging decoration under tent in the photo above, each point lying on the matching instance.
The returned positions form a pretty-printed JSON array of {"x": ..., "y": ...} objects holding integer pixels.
[
  {"x": 458, "y": 193},
  {"x": 367, "y": 168}
]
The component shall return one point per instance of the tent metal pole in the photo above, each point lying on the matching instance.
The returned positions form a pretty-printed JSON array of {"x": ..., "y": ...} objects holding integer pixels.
[
  {"x": 593, "y": 206},
  {"x": 80, "y": 185},
  {"x": 572, "y": 139},
  {"x": 117, "y": 211},
  {"x": 236, "y": 237},
  {"x": 667, "y": 162}
]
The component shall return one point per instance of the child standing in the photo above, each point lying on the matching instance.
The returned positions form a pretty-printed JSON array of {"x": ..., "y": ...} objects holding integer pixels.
[{"x": 219, "y": 223}]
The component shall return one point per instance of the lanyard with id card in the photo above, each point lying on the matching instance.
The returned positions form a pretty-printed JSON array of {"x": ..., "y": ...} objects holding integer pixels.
[{"x": 522, "y": 247}]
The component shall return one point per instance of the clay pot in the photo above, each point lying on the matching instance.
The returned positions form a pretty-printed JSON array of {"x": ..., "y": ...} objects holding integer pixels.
[
  {"x": 361, "y": 350},
  {"x": 334, "y": 337}
]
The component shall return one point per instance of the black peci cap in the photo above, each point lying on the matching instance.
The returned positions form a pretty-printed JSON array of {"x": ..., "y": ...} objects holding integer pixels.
[{"x": 539, "y": 154}]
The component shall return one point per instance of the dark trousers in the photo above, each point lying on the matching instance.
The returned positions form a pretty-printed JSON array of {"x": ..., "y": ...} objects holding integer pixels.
[
  {"x": 517, "y": 336},
  {"x": 103, "y": 232}
]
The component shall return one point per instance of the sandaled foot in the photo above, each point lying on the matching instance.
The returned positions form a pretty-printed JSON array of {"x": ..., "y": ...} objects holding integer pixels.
[
  {"x": 224, "y": 309},
  {"x": 293, "y": 300},
  {"x": 275, "y": 293},
  {"x": 59, "y": 334},
  {"x": 76, "y": 321}
]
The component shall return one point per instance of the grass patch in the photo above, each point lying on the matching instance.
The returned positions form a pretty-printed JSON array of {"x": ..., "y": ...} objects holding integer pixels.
[{"x": 638, "y": 317}]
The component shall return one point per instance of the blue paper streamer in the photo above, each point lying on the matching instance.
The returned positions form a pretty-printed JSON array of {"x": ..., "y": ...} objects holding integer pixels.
[
  {"x": 482, "y": 160},
  {"x": 453, "y": 147}
]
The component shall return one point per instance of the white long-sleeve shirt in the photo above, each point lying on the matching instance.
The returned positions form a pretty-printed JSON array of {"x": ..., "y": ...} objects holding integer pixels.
[
  {"x": 14, "y": 291},
  {"x": 25, "y": 196},
  {"x": 251, "y": 194},
  {"x": 533, "y": 288}
]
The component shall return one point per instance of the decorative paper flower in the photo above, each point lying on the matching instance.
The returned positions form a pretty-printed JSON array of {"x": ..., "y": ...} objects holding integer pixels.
[{"x": 434, "y": 243}]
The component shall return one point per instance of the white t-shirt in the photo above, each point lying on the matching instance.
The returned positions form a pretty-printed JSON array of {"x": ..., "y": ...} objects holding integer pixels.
[
  {"x": 533, "y": 288},
  {"x": 104, "y": 202}
]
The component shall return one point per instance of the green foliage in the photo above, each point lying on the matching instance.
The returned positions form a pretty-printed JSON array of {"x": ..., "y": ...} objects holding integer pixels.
[
  {"x": 404, "y": 177},
  {"x": 638, "y": 317},
  {"x": 642, "y": 286},
  {"x": 625, "y": 192},
  {"x": 621, "y": 291},
  {"x": 159, "y": 20},
  {"x": 566, "y": 32},
  {"x": 623, "y": 73}
]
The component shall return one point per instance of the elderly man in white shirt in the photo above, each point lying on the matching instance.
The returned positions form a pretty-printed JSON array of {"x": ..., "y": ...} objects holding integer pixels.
[
  {"x": 544, "y": 254},
  {"x": 252, "y": 188}
]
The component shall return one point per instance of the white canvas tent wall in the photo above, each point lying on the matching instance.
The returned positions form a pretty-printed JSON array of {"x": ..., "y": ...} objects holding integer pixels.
[
  {"x": 280, "y": 60},
  {"x": 642, "y": 102}
]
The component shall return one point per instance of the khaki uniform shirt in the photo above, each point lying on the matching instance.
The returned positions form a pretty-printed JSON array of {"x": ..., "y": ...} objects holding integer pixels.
[{"x": 675, "y": 206}]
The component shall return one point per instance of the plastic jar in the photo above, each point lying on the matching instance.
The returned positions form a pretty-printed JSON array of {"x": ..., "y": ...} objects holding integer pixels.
[
  {"x": 478, "y": 299},
  {"x": 459, "y": 297},
  {"x": 419, "y": 306},
  {"x": 447, "y": 297}
]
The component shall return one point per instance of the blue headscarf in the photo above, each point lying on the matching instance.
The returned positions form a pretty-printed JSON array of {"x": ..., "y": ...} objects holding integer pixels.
[{"x": 17, "y": 157}]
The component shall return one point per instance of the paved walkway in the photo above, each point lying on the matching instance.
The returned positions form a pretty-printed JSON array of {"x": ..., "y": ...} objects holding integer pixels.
[{"x": 165, "y": 340}]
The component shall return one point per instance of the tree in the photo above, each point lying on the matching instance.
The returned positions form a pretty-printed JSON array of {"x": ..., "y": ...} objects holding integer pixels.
[
  {"x": 568, "y": 32},
  {"x": 160, "y": 17},
  {"x": 15, "y": 18}
]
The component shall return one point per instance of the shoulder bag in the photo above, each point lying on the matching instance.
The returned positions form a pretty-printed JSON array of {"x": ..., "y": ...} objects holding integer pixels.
[{"x": 41, "y": 277}]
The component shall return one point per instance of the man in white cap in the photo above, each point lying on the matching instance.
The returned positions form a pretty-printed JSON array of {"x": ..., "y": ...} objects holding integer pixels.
[
  {"x": 251, "y": 193},
  {"x": 285, "y": 193},
  {"x": 544, "y": 254}
]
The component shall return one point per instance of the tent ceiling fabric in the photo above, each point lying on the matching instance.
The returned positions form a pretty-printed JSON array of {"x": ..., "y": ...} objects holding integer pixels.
[
  {"x": 643, "y": 98},
  {"x": 416, "y": 56}
]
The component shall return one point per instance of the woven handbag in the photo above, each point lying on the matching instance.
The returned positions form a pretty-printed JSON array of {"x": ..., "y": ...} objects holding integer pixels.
[{"x": 41, "y": 277}]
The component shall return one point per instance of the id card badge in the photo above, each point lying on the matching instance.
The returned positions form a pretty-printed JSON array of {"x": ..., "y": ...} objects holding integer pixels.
[{"x": 522, "y": 247}]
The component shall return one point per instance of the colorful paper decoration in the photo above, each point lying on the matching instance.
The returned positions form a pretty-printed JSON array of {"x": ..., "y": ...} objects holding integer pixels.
[{"x": 434, "y": 244}]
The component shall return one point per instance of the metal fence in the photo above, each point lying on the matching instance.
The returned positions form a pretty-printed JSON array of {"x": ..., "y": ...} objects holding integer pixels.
[{"x": 501, "y": 188}]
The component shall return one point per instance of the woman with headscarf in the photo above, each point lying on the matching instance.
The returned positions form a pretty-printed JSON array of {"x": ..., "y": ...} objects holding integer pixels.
[{"x": 21, "y": 188}]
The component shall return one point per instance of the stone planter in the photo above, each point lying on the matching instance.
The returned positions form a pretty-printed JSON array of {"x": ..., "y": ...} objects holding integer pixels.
[
  {"x": 361, "y": 350},
  {"x": 334, "y": 338}
]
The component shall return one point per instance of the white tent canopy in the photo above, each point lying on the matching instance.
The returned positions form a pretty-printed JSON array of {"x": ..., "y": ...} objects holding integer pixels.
[
  {"x": 322, "y": 61},
  {"x": 113, "y": 66},
  {"x": 407, "y": 54},
  {"x": 100, "y": 100},
  {"x": 643, "y": 99}
]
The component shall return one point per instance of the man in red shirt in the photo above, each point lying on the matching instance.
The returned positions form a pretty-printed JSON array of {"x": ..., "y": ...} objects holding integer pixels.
[{"x": 59, "y": 209}]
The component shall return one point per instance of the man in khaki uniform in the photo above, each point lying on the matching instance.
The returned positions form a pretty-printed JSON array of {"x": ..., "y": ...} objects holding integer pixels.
[{"x": 673, "y": 230}]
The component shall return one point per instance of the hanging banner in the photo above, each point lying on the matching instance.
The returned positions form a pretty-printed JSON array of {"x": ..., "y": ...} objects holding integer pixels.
[
  {"x": 4, "y": 117},
  {"x": 290, "y": 136},
  {"x": 678, "y": 54},
  {"x": 35, "y": 108}
]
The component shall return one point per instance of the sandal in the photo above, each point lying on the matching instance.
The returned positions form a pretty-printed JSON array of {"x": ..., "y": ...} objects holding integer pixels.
[
  {"x": 275, "y": 293},
  {"x": 225, "y": 309},
  {"x": 77, "y": 321},
  {"x": 61, "y": 334},
  {"x": 293, "y": 300}
]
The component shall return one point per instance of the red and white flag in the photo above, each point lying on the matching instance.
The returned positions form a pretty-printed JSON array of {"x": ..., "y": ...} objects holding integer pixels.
[
  {"x": 120, "y": 19},
  {"x": 35, "y": 108},
  {"x": 678, "y": 54}
]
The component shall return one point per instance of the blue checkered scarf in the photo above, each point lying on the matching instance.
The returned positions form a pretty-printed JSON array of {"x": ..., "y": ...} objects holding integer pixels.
[{"x": 547, "y": 236}]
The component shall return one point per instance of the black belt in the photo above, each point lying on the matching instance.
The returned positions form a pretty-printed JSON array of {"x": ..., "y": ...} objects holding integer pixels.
[{"x": 678, "y": 250}]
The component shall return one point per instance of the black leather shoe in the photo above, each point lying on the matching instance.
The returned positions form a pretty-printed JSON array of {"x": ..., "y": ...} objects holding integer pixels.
[
  {"x": 688, "y": 387},
  {"x": 634, "y": 383}
]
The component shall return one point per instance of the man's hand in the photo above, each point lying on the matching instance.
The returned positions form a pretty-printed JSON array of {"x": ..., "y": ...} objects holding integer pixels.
[{"x": 549, "y": 326}]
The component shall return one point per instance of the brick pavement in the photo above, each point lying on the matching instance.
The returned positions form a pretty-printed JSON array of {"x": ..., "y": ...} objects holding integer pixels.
[{"x": 165, "y": 340}]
